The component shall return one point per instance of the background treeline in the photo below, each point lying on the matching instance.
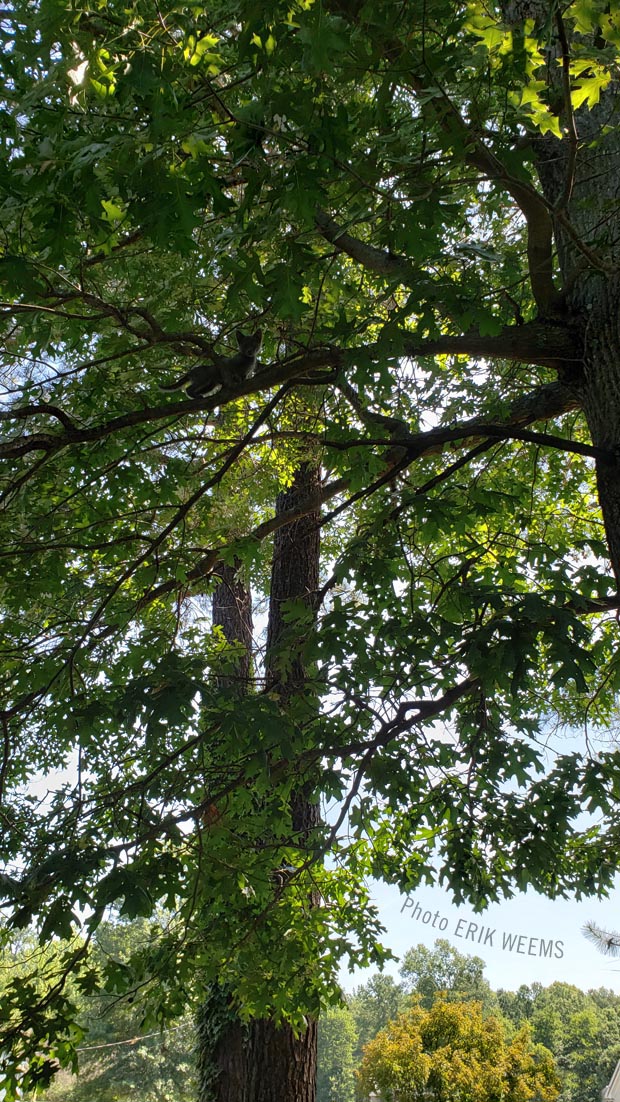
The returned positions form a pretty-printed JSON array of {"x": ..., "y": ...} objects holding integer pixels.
[
  {"x": 581, "y": 1029},
  {"x": 122, "y": 1056},
  {"x": 122, "y": 1060}
]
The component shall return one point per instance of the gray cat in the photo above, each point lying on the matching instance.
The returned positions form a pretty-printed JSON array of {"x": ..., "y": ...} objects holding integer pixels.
[{"x": 205, "y": 379}]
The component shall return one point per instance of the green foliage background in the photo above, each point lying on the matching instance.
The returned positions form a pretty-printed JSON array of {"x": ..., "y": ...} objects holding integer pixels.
[
  {"x": 121, "y": 1061},
  {"x": 357, "y": 180}
]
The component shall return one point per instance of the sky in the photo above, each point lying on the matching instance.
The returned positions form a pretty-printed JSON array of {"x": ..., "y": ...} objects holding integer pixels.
[{"x": 523, "y": 940}]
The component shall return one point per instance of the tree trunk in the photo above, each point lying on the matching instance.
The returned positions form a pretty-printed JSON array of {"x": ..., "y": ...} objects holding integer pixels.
[
  {"x": 282, "y": 1067},
  {"x": 592, "y": 295},
  {"x": 221, "y": 1047},
  {"x": 232, "y": 611},
  {"x": 257, "y": 1061},
  {"x": 260, "y": 1063},
  {"x": 254, "y": 1061},
  {"x": 581, "y": 187},
  {"x": 601, "y": 400}
]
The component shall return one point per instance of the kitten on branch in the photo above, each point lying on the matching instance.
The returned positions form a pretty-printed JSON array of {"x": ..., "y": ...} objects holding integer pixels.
[{"x": 204, "y": 380}]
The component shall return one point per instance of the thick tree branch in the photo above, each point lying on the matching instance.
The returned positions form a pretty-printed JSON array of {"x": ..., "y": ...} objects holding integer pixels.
[
  {"x": 381, "y": 261},
  {"x": 497, "y": 432},
  {"x": 371, "y": 258},
  {"x": 393, "y": 265},
  {"x": 305, "y": 364},
  {"x": 22, "y": 413},
  {"x": 539, "y": 231},
  {"x": 530, "y": 202},
  {"x": 546, "y": 401},
  {"x": 537, "y": 342}
]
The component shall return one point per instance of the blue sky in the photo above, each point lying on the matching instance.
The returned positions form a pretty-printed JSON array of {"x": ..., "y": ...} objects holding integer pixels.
[{"x": 525, "y": 939}]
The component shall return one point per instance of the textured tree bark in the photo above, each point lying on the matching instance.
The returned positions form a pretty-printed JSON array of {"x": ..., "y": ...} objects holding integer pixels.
[
  {"x": 295, "y": 576},
  {"x": 580, "y": 181},
  {"x": 232, "y": 611},
  {"x": 257, "y": 1061},
  {"x": 282, "y": 1065},
  {"x": 278, "y": 1066},
  {"x": 601, "y": 397},
  {"x": 221, "y": 1047}
]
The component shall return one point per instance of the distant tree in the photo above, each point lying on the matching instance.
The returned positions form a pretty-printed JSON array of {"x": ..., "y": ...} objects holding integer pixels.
[
  {"x": 518, "y": 1006},
  {"x": 548, "y": 1027},
  {"x": 453, "y": 1051},
  {"x": 373, "y": 1005},
  {"x": 335, "y": 1058},
  {"x": 431, "y": 972},
  {"x": 554, "y": 1009},
  {"x": 604, "y": 998},
  {"x": 581, "y": 1029},
  {"x": 119, "y": 1060}
]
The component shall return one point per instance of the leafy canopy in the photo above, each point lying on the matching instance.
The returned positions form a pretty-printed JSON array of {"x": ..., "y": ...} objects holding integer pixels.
[
  {"x": 359, "y": 182},
  {"x": 453, "y": 1051}
]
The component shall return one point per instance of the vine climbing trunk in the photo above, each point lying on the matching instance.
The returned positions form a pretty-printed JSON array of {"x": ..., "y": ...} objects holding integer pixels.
[
  {"x": 221, "y": 1048},
  {"x": 260, "y": 1061}
]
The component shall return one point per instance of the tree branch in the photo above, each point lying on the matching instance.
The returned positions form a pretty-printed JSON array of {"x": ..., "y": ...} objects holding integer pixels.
[
  {"x": 441, "y": 437},
  {"x": 532, "y": 205},
  {"x": 536, "y": 342},
  {"x": 403, "y": 720},
  {"x": 371, "y": 258},
  {"x": 554, "y": 400},
  {"x": 21, "y": 413},
  {"x": 50, "y": 442}
]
